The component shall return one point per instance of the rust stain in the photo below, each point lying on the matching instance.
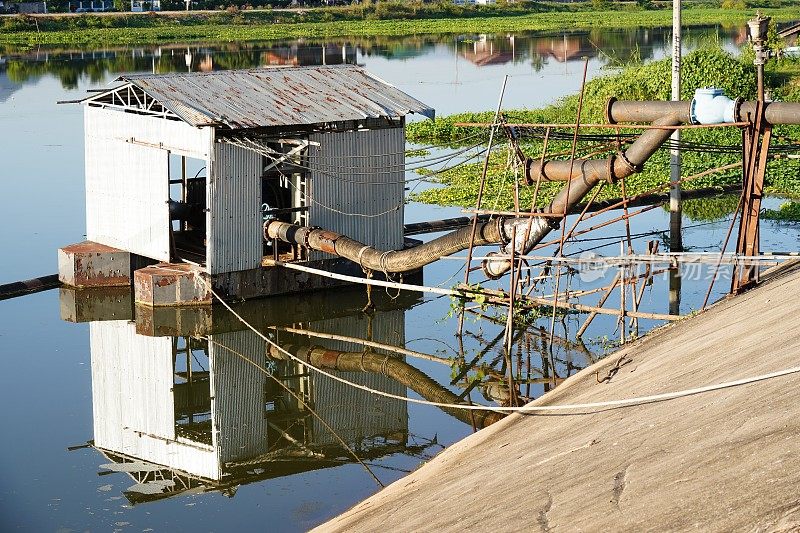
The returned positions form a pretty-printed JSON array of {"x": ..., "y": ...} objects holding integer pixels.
[{"x": 165, "y": 281}]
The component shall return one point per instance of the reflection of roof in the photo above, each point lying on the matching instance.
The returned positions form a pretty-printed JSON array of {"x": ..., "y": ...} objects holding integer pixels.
[
  {"x": 483, "y": 59},
  {"x": 155, "y": 482},
  {"x": 276, "y": 96},
  {"x": 565, "y": 49}
]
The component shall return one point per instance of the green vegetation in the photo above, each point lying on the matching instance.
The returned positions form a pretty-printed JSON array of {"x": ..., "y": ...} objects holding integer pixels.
[
  {"x": 707, "y": 67},
  {"x": 787, "y": 212},
  {"x": 709, "y": 209},
  {"x": 366, "y": 19}
]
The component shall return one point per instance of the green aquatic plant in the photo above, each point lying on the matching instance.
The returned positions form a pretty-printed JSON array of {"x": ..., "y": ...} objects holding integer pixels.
[
  {"x": 787, "y": 212},
  {"x": 651, "y": 81},
  {"x": 378, "y": 18},
  {"x": 709, "y": 209}
]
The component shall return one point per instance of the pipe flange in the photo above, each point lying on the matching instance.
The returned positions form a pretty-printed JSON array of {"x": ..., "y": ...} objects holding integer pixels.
[
  {"x": 500, "y": 224},
  {"x": 737, "y": 108},
  {"x": 607, "y": 112},
  {"x": 528, "y": 179},
  {"x": 628, "y": 164},
  {"x": 552, "y": 222},
  {"x": 610, "y": 177},
  {"x": 540, "y": 169},
  {"x": 307, "y": 235},
  {"x": 265, "y": 229},
  {"x": 485, "y": 266}
]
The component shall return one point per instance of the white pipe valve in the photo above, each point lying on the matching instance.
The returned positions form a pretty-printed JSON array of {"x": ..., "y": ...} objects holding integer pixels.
[{"x": 711, "y": 106}]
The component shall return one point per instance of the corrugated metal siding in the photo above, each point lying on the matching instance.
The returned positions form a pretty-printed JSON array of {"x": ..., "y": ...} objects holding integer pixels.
[
  {"x": 238, "y": 391},
  {"x": 171, "y": 135},
  {"x": 355, "y": 414},
  {"x": 234, "y": 220},
  {"x": 134, "y": 414},
  {"x": 277, "y": 96},
  {"x": 127, "y": 182},
  {"x": 345, "y": 168}
]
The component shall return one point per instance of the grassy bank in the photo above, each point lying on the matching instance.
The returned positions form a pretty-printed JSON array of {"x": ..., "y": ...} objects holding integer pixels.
[
  {"x": 261, "y": 25},
  {"x": 708, "y": 67}
]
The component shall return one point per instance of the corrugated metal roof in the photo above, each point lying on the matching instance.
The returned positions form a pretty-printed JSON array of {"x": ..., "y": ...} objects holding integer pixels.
[{"x": 277, "y": 96}]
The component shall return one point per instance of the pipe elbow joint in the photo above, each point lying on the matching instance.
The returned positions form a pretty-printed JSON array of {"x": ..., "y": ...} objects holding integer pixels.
[
  {"x": 495, "y": 265},
  {"x": 711, "y": 106}
]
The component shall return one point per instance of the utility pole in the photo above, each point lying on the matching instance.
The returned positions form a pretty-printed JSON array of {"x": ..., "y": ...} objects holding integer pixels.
[
  {"x": 675, "y": 239},
  {"x": 676, "y": 244}
]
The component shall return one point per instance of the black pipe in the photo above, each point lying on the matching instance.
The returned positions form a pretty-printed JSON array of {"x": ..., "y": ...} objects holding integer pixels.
[
  {"x": 581, "y": 176},
  {"x": 495, "y": 231},
  {"x": 610, "y": 169},
  {"x": 525, "y": 232},
  {"x": 21, "y": 288}
]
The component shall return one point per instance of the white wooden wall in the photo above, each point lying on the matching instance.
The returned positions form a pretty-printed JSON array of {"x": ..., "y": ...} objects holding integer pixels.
[
  {"x": 237, "y": 387},
  {"x": 134, "y": 408},
  {"x": 127, "y": 177}
]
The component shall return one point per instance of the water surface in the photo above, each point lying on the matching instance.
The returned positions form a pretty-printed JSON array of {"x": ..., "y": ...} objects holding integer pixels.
[{"x": 228, "y": 447}]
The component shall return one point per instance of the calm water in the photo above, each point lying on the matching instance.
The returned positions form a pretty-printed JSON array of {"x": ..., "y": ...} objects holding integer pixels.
[{"x": 88, "y": 368}]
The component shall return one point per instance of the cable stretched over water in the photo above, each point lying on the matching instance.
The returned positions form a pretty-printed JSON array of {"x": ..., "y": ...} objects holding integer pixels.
[{"x": 625, "y": 402}]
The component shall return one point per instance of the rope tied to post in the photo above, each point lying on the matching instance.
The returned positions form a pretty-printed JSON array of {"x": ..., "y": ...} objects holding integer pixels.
[{"x": 384, "y": 265}]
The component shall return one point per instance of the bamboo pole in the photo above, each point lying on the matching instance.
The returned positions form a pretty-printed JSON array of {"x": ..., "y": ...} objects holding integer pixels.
[{"x": 499, "y": 297}]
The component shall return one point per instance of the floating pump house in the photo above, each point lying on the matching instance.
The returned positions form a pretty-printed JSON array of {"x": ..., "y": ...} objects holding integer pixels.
[{"x": 182, "y": 170}]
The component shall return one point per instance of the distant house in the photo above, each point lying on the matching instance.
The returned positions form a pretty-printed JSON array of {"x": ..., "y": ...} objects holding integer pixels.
[
  {"x": 23, "y": 8},
  {"x": 91, "y": 6},
  {"x": 145, "y": 5}
]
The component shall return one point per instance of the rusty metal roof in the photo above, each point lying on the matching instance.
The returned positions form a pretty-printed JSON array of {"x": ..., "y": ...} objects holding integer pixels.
[{"x": 282, "y": 96}]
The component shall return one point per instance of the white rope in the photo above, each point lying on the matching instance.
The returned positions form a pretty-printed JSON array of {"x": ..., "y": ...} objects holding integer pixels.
[
  {"x": 625, "y": 402},
  {"x": 360, "y": 254},
  {"x": 666, "y": 258}
]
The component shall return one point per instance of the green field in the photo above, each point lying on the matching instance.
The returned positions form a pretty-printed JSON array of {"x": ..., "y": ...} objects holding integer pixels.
[{"x": 125, "y": 29}]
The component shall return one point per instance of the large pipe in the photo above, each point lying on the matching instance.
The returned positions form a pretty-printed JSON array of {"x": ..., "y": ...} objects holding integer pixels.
[
  {"x": 396, "y": 369},
  {"x": 611, "y": 169},
  {"x": 525, "y": 232},
  {"x": 709, "y": 106},
  {"x": 648, "y": 111},
  {"x": 496, "y": 231},
  {"x": 582, "y": 177}
]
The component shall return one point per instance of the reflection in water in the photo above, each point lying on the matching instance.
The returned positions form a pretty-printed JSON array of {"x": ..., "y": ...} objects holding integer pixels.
[
  {"x": 190, "y": 400},
  {"x": 199, "y": 413},
  {"x": 536, "y": 49}
]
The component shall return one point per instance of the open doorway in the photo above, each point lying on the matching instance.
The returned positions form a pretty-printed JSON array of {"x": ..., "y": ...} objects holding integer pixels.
[
  {"x": 187, "y": 208},
  {"x": 284, "y": 192}
]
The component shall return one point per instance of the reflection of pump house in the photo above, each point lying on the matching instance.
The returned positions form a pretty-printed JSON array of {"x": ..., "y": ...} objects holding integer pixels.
[{"x": 180, "y": 413}]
